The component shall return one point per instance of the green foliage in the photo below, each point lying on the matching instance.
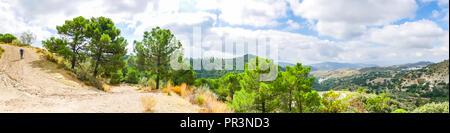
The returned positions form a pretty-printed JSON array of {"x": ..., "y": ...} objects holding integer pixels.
[
  {"x": 132, "y": 76},
  {"x": 243, "y": 102},
  {"x": 378, "y": 104},
  {"x": 154, "y": 51},
  {"x": 116, "y": 77},
  {"x": 433, "y": 108},
  {"x": 57, "y": 46},
  {"x": 251, "y": 81},
  {"x": 74, "y": 30},
  {"x": 183, "y": 76},
  {"x": 106, "y": 47},
  {"x": 7, "y": 38},
  {"x": 399, "y": 111},
  {"x": 26, "y": 38},
  {"x": 200, "y": 100},
  {"x": 334, "y": 102},
  {"x": 16, "y": 42},
  {"x": 296, "y": 90},
  {"x": 268, "y": 102}
]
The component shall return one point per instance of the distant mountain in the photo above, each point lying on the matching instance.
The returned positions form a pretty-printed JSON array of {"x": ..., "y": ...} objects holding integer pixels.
[
  {"x": 327, "y": 66},
  {"x": 416, "y": 83},
  {"x": 404, "y": 67},
  {"x": 284, "y": 64}
]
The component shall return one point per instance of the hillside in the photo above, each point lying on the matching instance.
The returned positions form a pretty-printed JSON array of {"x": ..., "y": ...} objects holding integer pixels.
[
  {"x": 421, "y": 84},
  {"x": 326, "y": 66}
]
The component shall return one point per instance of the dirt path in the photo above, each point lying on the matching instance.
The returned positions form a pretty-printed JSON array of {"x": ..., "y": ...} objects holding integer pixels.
[{"x": 36, "y": 85}]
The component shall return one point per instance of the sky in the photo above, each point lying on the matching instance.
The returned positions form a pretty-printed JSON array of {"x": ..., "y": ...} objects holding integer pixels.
[{"x": 382, "y": 32}]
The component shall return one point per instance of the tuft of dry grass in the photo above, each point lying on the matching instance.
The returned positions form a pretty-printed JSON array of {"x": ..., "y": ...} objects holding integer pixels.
[
  {"x": 208, "y": 101},
  {"x": 106, "y": 87},
  {"x": 168, "y": 89},
  {"x": 180, "y": 90},
  {"x": 148, "y": 102}
]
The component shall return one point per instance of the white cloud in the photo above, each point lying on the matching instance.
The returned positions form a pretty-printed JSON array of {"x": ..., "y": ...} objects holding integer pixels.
[
  {"x": 419, "y": 34},
  {"x": 345, "y": 19},
  {"x": 256, "y": 13},
  {"x": 355, "y": 20}
]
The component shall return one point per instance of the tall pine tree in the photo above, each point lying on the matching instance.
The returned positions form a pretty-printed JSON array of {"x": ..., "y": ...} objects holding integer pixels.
[{"x": 153, "y": 53}]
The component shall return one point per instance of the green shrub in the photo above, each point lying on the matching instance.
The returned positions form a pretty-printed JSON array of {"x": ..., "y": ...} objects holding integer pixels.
[
  {"x": 7, "y": 38},
  {"x": 433, "y": 108},
  {"x": 132, "y": 76},
  {"x": 399, "y": 111},
  {"x": 378, "y": 104},
  {"x": 243, "y": 102},
  {"x": 116, "y": 78},
  {"x": 98, "y": 83},
  {"x": 16, "y": 42},
  {"x": 200, "y": 100},
  {"x": 151, "y": 83}
]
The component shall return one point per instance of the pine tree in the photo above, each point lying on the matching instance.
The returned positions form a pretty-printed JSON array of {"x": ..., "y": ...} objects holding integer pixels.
[
  {"x": 106, "y": 47},
  {"x": 153, "y": 53},
  {"x": 75, "y": 31}
]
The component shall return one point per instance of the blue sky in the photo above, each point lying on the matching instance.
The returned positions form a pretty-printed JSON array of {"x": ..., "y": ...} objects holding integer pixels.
[{"x": 383, "y": 32}]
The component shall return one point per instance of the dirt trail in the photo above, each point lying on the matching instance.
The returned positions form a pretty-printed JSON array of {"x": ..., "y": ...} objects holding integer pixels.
[{"x": 36, "y": 85}]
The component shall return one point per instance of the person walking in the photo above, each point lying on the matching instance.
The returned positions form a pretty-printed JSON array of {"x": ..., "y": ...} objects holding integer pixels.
[{"x": 21, "y": 53}]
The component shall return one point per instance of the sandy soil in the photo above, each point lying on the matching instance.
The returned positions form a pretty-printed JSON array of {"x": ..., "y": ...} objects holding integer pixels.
[{"x": 35, "y": 85}]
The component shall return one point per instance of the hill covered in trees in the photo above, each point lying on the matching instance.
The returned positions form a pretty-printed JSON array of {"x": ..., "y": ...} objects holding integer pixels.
[{"x": 414, "y": 84}]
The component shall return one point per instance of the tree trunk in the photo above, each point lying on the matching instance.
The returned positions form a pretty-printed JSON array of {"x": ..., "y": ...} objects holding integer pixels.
[
  {"x": 157, "y": 81},
  {"x": 263, "y": 105},
  {"x": 73, "y": 62},
  {"x": 96, "y": 64},
  {"x": 158, "y": 73},
  {"x": 290, "y": 100}
]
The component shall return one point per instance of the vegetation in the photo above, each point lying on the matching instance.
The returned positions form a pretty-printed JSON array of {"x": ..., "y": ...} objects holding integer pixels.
[
  {"x": 433, "y": 108},
  {"x": 153, "y": 53},
  {"x": 7, "y": 38},
  {"x": 1, "y": 52},
  {"x": 26, "y": 38},
  {"x": 148, "y": 102},
  {"x": 413, "y": 88},
  {"x": 94, "y": 50}
]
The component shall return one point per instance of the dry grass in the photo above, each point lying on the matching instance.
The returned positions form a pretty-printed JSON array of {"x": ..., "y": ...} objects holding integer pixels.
[
  {"x": 106, "y": 87},
  {"x": 168, "y": 89},
  {"x": 208, "y": 101},
  {"x": 148, "y": 102},
  {"x": 1, "y": 52},
  {"x": 180, "y": 90}
]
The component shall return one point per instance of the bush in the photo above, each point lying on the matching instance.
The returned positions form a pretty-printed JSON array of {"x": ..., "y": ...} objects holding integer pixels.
[
  {"x": 7, "y": 38},
  {"x": 148, "y": 102},
  {"x": 132, "y": 76},
  {"x": 16, "y": 42},
  {"x": 433, "y": 108},
  {"x": 97, "y": 83},
  {"x": 83, "y": 72},
  {"x": 243, "y": 101},
  {"x": 116, "y": 78},
  {"x": 399, "y": 111},
  {"x": 378, "y": 104},
  {"x": 180, "y": 90},
  {"x": 151, "y": 83},
  {"x": 200, "y": 100}
]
